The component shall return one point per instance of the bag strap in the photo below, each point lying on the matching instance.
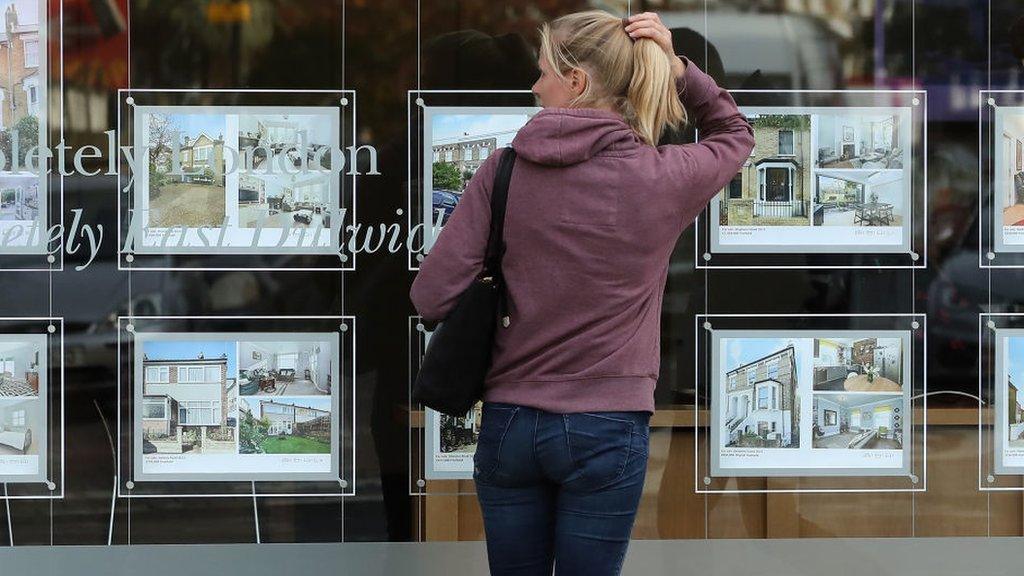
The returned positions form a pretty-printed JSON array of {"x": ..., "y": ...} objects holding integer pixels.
[{"x": 499, "y": 198}]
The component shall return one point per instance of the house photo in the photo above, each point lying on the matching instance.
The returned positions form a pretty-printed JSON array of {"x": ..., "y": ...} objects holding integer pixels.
[
  {"x": 21, "y": 424},
  {"x": 460, "y": 144},
  {"x": 21, "y": 85},
  {"x": 1015, "y": 415},
  {"x": 1010, "y": 164},
  {"x": 20, "y": 365},
  {"x": 188, "y": 397},
  {"x": 19, "y": 197},
  {"x": 859, "y": 141},
  {"x": 858, "y": 364},
  {"x": 187, "y": 192},
  {"x": 773, "y": 188},
  {"x": 300, "y": 368},
  {"x": 459, "y": 435},
  {"x": 283, "y": 200},
  {"x": 760, "y": 406},
  {"x": 859, "y": 198},
  {"x": 858, "y": 421},
  {"x": 285, "y": 425},
  {"x": 280, "y": 143}
]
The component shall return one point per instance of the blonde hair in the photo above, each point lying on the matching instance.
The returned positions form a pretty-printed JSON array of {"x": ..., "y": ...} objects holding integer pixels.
[{"x": 635, "y": 77}]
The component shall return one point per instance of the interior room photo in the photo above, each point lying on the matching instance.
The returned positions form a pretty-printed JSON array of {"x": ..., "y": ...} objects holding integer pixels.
[
  {"x": 858, "y": 364},
  {"x": 19, "y": 369},
  {"x": 283, "y": 200},
  {"x": 858, "y": 421},
  {"x": 20, "y": 422},
  {"x": 858, "y": 198},
  {"x": 284, "y": 368},
  {"x": 859, "y": 141}
]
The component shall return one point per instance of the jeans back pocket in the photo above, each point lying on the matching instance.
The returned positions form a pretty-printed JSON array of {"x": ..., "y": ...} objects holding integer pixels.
[
  {"x": 495, "y": 420},
  {"x": 599, "y": 447}
]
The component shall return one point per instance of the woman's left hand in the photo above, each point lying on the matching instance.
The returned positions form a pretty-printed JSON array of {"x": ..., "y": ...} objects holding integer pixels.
[{"x": 649, "y": 25}]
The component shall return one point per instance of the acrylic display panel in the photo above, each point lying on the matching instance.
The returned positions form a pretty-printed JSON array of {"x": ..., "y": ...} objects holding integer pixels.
[
  {"x": 1001, "y": 406},
  {"x": 451, "y": 134},
  {"x": 31, "y": 408},
  {"x": 441, "y": 447},
  {"x": 819, "y": 403},
  {"x": 29, "y": 196},
  {"x": 1001, "y": 192},
  {"x": 835, "y": 179},
  {"x": 232, "y": 406},
  {"x": 238, "y": 179}
]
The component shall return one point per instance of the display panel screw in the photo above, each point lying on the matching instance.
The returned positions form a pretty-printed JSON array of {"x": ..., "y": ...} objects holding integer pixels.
[
  {"x": 915, "y": 256},
  {"x": 129, "y": 485},
  {"x": 707, "y": 480},
  {"x": 130, "y": 327},
  {"x": 343, "y": 483},
  {"x": 50, "y": 258},
  {"x": 51, "y": 328},
  {"x": 914, "y": 479},
  {"x": 129, "y": 258},
  {"x": 50, "y": 485},
  {"x": 991, "y": 324},
  {"x": 420, "y": 327},
  {"x": 915, "y": 324},
  {"x": 344, "y": 101},
  {"x": 707, "y": 256},
  {"x": 707, "y": 325},
  {"x": 419, "y": 102},
  {"x": 421, "y": 483},
  {"x": 992, "y": 102},
  {"x": 990, "y": 255},
  {"x": 916, "y": 101},
  {"x": 991, "y": 479},
  {"x": 419, "y": 257},
  {"x": 130, "y": 101},
  {"x": 343, "y": 327}
]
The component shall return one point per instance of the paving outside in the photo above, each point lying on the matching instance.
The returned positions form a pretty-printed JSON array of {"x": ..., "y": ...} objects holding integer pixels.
[{"x": 184, "y": 204}]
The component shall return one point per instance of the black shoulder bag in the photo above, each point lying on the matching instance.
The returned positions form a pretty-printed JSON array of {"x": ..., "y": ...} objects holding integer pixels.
[{"x": 451, "y": 377}]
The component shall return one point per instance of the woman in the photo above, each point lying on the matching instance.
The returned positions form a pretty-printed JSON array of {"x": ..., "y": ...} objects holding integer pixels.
[{"x": 594, "y": 211}]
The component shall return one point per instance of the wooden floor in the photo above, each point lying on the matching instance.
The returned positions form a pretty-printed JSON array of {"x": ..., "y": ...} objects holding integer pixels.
[{"x": 672, "y": 509}]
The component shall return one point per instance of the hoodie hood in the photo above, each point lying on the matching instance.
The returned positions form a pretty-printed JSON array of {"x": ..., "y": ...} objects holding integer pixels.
[{"x": 566, "y": 136}]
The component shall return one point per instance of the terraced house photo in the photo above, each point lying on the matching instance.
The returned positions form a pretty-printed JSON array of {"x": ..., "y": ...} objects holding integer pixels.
[
  {"x": 189, "y": 397},
  {"x": 858, "y": 364},
  {"x": 188, "y": 191},
  {"x": 773, "y": 188},
  {"x": 285, "y": 426},
  {"x": 858, "y": 421},
  {"x": 760, "y": 406}
]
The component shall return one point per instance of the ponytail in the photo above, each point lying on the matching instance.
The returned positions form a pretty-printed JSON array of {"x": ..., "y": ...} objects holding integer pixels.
[
  {"x": 633, "y": 77},
  {"x": 652, "y": 92}
]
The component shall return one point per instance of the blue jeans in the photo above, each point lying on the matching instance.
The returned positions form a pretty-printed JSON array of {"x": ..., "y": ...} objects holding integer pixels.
[{"x": 559, "y": 490}]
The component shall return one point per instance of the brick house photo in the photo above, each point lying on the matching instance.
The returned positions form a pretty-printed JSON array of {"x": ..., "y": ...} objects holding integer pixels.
[
  {"x": 285, "y": 425},
  {"x": 773, "y": 188},
  {"x": 188, "y": 191},
  {"x": 760, "y": 406},
  {"x": 189, "y": 397}
]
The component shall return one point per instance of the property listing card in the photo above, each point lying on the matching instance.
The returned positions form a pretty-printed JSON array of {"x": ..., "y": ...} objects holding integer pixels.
[
  {"x": 820, "y": 179},
  {"x": 23, "y": 415},
  {"x": 810, "y": 403},
  {"x": 236, "y": 406}
]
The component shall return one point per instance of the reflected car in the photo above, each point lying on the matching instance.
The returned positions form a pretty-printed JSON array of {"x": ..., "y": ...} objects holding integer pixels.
[{"x": 446, "y": 201}]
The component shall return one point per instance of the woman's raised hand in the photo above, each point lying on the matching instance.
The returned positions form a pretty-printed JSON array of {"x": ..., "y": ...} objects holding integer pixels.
[{"x": 649, "y": 25}]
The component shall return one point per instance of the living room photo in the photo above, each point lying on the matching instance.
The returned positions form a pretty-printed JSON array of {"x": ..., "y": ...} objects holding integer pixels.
[
  {"x": 858, "y": 421},
  {"x": 852, "y": 140},
  {"x": 282, "y": 143},
  {"x": 283, "y": 368}
]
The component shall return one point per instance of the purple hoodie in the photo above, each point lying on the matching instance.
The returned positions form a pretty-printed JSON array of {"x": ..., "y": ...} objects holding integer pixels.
[{"x": 593, "y": 215}]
